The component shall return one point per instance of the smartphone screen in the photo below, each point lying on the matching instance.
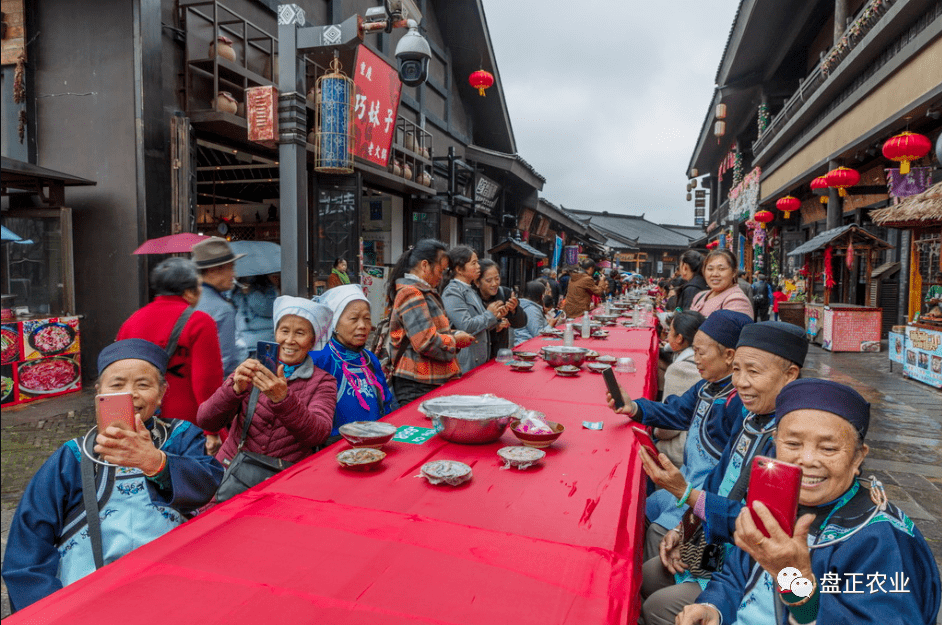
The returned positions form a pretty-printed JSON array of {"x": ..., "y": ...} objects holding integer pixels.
[
  {"x": 613, "y": 389},
  {"x": 777, "y": 485},
  {"x": 646, "y": 441},
  {"x": 267, "y": 354},
  {"x": 114, "y": 409}
]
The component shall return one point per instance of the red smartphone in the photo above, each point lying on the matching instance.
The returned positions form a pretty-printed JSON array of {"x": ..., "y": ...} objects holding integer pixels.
[
  {"x": 114, "y": 409},
  {"x": 641, "y": 434},
  {"x": 777, "y": 485}
]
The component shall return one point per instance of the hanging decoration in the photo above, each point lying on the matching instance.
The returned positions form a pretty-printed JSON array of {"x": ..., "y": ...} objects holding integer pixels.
[
  {"x": 764, "y": 217},
  {"x": 712, "y": 245},
  {"x": 841, "y": 178},
  {"x": 737, "y": 169},
  {"x": 854, "y": 33},
  {"x": 773, "y": 245},
  {"x": 850, "y": 257},
  {"x": 805, "y": 270},
  {"x": 906, "y": 147},
  {"x": 481, "y": 80},
  {"x": 787, "y": 205},
  {"x": 819, "y": 186},
  {"x": 763, "y": 118},
  {"x": 918, "y": 180},
  {"x": 828, "y": 275},
  {"x": 334, "y": 122}
]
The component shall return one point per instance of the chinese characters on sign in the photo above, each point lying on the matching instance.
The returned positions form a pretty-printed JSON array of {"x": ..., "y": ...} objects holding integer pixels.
[
  {"x": 260, "y": 105},
  {"x": 413, "y": 434},
  {"x": 485, "y": 193},
  {"x": 377, "y": 103}
]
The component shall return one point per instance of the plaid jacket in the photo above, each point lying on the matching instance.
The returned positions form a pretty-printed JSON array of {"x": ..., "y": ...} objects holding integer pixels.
[{"x": 419, "y": 316}]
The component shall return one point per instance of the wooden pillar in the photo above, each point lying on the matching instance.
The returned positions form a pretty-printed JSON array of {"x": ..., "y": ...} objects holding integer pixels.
[{"x": 840, "y": 19}]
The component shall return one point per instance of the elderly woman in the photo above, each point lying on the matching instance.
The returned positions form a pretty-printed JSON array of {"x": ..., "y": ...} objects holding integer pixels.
[
  {"x": 490, "y": 290},
  {"x": 862, "y": 557},
  {"x": 338, "y": 274},
  {"x": 465, "y": 309},
  {"x": 709, "y": 411},
  {"x": 424, "y": 348},
  {"x": 719, "y": 269},
  {"x": 768, "y": 356},
  {"x": 147, "y": 479},
  {"x": 362, "y": 391},
  {"x": 194, "y": 371},
  {"x": 296, "y": 403}
]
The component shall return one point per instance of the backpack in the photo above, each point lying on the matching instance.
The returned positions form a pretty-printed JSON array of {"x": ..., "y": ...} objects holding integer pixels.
[{"x": 760, "y": 298}]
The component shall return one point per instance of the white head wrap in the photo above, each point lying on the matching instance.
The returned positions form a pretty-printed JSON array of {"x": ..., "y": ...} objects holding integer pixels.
[
  {"x": 319, "y": 315},
  {"x": 339, "y": 297}
]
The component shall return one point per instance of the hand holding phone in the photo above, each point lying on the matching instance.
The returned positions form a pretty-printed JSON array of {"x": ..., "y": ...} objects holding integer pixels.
[
  {"x": 642, "y": 436},
  {"x": 777, "y": 485},
  {"x": 267, "y": 354},
  {"x": 613, "y": 389},
  {"x": 114, "y": 409}
]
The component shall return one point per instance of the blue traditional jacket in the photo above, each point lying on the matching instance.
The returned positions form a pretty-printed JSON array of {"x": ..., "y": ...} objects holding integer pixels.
[
  {"x": 709, "y": 412},
  {"x": 882, "y": 574},
  {"x": 48, "y": 544}
]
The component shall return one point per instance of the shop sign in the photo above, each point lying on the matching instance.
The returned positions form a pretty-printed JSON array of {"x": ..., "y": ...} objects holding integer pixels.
[
  {"x": 375, "y": 108},
  {"x": 260, "y": 106},
  {"x": 923, "y": 360},
  {"x": 485, "y": 193}
]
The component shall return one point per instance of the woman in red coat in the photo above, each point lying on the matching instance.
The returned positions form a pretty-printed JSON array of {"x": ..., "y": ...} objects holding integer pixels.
[
  {"x": 195, "y": 368},
  {"x": 295, "y": 409}
]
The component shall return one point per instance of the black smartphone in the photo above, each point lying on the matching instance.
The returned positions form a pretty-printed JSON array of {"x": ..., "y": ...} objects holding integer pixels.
[
  {"x": 613, "y": 389},
  {"x": 267, "y": 354}
]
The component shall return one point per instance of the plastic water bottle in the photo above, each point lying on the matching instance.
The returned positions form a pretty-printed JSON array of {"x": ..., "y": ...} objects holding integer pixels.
[
  {"x": 568, "y": 338},
  {"x": 586, "y": 327}
]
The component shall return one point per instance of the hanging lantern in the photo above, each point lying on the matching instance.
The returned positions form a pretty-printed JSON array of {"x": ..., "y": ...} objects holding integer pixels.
[
  {"x": 694, "y": 172},
  {"x": 788, "y": 204},
  {"x": 764, "y": 217},
  {"x": 712, "y": 245},
  {"x": 481, "y": 80},
  {"x": 906, "y": 147},
  {"x": 693, "y": 184},
  {"x": 719, "y": 129},
  {"x": 334, "y": 123},
  {"x": 688, "y": 197},
  {"x": 820, "y": 187},
  {"x": 841, "y": 178},
  {"x": 721, "y": 111}
]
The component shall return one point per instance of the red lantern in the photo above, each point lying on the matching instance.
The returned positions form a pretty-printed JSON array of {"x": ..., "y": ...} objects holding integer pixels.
[
  {"x": 820, "y": 187},
  {"x": 841, "y": 178},
  {"x": 712, "y": 245},
  {"x": 787, "y": 204},
  {"x": 905, "y": 147},
  {"x": 764, "y": 217},
  {"x": 481, "y": 80}
]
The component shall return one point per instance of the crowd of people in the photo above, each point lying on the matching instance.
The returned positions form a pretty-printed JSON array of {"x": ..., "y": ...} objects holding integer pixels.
[{"x": 732, "y": 390}]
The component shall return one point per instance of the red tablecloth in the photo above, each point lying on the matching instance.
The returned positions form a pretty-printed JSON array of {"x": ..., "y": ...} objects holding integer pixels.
[{"x": 557, "y": 543}]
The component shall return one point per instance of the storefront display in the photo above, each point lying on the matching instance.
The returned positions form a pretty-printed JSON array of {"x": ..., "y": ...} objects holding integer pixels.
[{"x": 41, "y": 358}]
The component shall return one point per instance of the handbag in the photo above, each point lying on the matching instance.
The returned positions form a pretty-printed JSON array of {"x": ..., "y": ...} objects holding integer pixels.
[
  {"x": 248, "y": 468},
  {"x": 704, "y": 558}
]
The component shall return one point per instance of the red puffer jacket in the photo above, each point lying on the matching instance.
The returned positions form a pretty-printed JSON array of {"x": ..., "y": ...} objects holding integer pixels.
[{"x": 289, "y": 429}]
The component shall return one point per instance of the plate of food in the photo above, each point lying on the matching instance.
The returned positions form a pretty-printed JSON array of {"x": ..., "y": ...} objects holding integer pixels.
[
  {"x": 49, "y": 375},
  {"x": 600, "y": 334},
  {"x": 519, "y": 456},
  {"x": 522, "y": 355},
  {"x": 360, "y": 458},
  {"x": 606, "y": 359},
  {"x": 521, "y": 365},
  {"x": 598, "y": 367},
  {"x": 591, "y": 354},
  {"x": 10, "y": 345},
  {"x": 567, "y": 371},
  {"x": 449, "y": 472},
  {"x": 52, "y": 338}
]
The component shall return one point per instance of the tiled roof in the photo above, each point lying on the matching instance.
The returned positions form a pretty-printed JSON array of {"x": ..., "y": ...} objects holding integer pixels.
[{"x": 636, "y": 228}]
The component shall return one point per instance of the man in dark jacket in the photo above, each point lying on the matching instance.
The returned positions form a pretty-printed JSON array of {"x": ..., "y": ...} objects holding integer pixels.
[{"x": 761, "y": 298}]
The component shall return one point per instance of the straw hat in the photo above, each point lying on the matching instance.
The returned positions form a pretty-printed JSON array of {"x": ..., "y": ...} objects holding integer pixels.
[{"x": 213, "y": 252}]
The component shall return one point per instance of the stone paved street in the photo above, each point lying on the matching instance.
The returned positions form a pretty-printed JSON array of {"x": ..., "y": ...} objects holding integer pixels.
[{"x": 905, "y": 437}]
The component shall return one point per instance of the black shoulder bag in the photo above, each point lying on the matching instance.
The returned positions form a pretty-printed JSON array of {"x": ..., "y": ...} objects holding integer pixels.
[{"x": 248, "y": 468}]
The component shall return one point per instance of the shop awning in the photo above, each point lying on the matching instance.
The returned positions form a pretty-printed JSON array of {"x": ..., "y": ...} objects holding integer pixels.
[
  {"x": 922, "y": 209},
  {"x": 516, "y": 247},
  {"x": 511, "y": 163},
  {"x": 28, "y": 177},
  {"x": 841, "y": 237}
]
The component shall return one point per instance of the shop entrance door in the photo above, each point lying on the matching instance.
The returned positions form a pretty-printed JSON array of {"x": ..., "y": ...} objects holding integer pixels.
[{"x": 337, "y": 228}]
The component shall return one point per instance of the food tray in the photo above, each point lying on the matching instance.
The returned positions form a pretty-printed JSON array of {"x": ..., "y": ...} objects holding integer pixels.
[
  {"x": 520, "y": 457},
  {"x": 450, "y": 472}
]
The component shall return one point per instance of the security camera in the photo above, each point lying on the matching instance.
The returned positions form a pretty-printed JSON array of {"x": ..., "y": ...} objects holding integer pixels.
[{"x": 413, "y": 54}]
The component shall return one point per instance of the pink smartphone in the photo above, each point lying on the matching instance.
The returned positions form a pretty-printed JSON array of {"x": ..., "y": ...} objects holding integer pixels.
[
  {"x": 777, "y": 485},
  {"x": 641, "y": 434},
  {"x": 114, "y": 409}
]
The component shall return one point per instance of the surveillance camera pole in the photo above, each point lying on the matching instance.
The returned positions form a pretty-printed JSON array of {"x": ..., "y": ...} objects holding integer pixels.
[{"x": 294, "y": 39}]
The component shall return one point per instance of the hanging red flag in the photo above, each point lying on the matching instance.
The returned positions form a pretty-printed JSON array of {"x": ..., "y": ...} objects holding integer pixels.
[{"x": 850, "y": 256}]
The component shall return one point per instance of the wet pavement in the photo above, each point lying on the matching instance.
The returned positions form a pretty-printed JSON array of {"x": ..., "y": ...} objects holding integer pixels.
[{"x": 905, "y": 438}]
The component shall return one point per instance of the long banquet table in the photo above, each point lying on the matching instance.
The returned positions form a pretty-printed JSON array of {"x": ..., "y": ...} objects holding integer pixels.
[{"x": 557, "y": 543}]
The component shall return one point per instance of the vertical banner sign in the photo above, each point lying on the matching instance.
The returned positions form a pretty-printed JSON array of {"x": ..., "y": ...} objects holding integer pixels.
[
  {"x": 376, "y": 106},
  {"x": 572, "y": 254},
  {"x": 260, "y": 106},
  {"x": 557, "y": 252}
]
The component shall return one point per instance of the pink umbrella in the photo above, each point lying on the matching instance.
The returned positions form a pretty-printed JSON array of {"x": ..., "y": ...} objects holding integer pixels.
[{"x": 173, "y": 244}]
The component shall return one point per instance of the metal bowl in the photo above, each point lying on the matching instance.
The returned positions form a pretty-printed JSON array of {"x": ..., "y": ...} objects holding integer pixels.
[
  {"x": 559, "y": 355},
  {"x": 607, "y": 319},
  {"x": 470, "y": 419}
]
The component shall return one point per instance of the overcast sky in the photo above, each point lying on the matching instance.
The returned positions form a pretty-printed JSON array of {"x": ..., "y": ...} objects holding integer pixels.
[{"x": 607, "y": 104}]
